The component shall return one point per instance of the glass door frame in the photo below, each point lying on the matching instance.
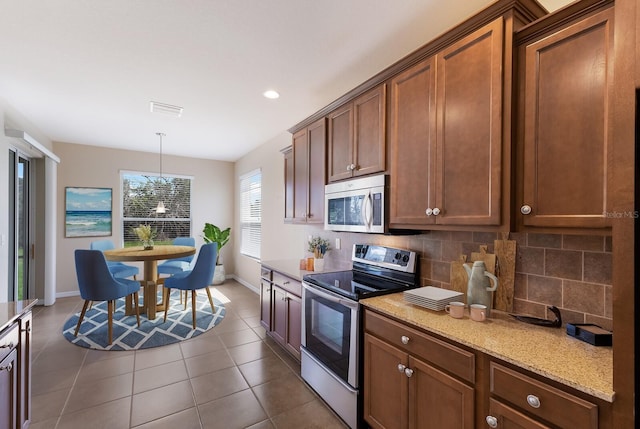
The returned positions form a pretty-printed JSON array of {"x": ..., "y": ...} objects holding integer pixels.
[{"x": 20, "y": 267}]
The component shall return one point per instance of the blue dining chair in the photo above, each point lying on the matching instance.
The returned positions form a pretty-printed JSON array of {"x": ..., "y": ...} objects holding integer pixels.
[
  {"x": 199, "y": 278},
  {"x": 118, "y": 269},
  {"x": 97, "y": 283},
  {"x": 178, "y": 265}
]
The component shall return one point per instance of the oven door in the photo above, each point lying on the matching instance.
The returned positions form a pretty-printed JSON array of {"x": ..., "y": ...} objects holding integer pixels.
[{"x": 330, "y": 331}]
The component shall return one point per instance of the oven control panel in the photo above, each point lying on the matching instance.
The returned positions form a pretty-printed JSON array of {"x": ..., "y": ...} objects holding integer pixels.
[{"x": 397, "y": 259}]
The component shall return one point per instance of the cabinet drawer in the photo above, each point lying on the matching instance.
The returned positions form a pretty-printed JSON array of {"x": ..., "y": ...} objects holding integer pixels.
[
  {"x": 265, "y": 273},
  {"x": 288, "y": 284},
  {"x": 537, "y": 398},
  {"x": 9, "y": 340},
  {"x": 447, "y": 356}
]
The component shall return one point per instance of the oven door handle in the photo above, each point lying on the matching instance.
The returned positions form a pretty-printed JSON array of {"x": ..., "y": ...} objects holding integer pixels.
[{"x": 330, "y": 297}]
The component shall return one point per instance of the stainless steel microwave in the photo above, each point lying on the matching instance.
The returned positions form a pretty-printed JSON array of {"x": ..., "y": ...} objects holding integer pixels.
[{"x": 356, "y": 205}]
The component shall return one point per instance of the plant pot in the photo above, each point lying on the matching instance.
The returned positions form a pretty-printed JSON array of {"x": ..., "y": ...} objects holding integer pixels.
[
  {"x": 318, "y": 264},
  {"x": 219, "y": 275}
]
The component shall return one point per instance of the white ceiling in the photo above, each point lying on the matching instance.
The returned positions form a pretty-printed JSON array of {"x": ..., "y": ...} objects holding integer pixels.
[{"x": 85, "y": 71}]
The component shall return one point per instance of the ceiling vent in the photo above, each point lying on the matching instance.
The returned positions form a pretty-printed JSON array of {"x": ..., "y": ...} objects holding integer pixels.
[{"x": 165, "y": 109}]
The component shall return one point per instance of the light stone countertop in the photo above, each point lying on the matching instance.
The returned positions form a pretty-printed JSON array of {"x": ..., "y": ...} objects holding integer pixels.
[
  {"x": 291, "y": 267},
  {"x": 549, "y": 352}
]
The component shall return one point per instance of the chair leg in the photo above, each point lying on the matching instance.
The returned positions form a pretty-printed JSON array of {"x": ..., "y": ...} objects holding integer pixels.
[
  {"x": 110, "y": 305},
  {"x": 135, "y": 299},
  {"x": 166, "y": 307},
  {"x": 84, "y": 310},
  {"x": 213, "y": 309},
  {"x": 185, "y": 298},
  {"x": 193, "y": 307}
]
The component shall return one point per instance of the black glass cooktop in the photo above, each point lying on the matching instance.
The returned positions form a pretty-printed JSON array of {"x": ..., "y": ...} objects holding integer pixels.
[{"x": 357, "y": 285}]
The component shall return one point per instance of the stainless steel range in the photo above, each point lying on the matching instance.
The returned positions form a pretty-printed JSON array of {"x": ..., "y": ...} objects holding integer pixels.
[{"x": 331, "y": 323}]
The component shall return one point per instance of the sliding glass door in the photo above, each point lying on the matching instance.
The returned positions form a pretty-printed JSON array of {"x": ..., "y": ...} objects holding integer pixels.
[{"x": 19, "y": 227}]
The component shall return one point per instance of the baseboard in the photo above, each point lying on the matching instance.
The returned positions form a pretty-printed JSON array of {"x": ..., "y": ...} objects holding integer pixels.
[{"x": 245, "y": 283}]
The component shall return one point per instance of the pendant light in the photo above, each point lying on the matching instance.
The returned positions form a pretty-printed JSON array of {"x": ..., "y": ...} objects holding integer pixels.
[{"x": 160, "y": 208}]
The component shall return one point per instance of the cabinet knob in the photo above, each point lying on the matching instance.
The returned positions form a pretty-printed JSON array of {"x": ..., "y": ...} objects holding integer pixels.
[
  {"x": 533, "y": 400},
  {"x": 436, "y": 211},
  {"x": 428, "y": 211},
  {"x": 526, "y": 209},
  {"x": 408, "y": 372},
  {"x": 404, "y": 339},
  {"x": 401, "y": 367},
  {"x": 7, "y": 368},
  {"x": 492, "y": 421}
]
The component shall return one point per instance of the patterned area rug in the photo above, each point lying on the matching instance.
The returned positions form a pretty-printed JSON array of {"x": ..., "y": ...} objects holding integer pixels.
[{"x": 151, "y": 333}]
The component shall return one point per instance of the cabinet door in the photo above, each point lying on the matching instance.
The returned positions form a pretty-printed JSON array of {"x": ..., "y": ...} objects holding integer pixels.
[
  {"x": 24, "y": 356},
  {"x": 265, "y": 304},
  {"x": 294, "y": 324},
  {"x": 385, "y": 386},
  {"x": 508, "y": 418},
  {"x": 317, "y": 143},
  {"x": 9, "y": 391},
  {"x": 279, "y": 315},
  {"x": 437, "y": 400},
  {"x": 469, "y": 138},
  {"x": 288, "y": 184},
  {"x": 567, "y": 107},
  {"x": 340, "y": 143},
  {"x": 369, "y": 132},
  {"x": 300, "y": 176},
  {"x": 412, "y": 139}
]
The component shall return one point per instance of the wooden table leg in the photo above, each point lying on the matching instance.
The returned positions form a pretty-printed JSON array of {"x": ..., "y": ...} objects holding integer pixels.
[{"x": 150, "y": 291}]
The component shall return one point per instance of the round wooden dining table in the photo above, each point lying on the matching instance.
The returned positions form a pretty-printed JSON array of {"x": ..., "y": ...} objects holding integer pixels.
[{"x": 150, "y": 257}]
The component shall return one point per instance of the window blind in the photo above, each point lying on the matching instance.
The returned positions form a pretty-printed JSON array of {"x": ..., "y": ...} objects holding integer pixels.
[
  {"x": 140, "y": 195},
  {"x": 251, "y": 213}
]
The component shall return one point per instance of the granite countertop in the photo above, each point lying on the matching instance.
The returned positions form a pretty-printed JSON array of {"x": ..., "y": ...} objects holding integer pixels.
[
  {"x": 11, "y": 311},
  {"x": 291, "y": 267},
  {"x": 545, "y": 351}
]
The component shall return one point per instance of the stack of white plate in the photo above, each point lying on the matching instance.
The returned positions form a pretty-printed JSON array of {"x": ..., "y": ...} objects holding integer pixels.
[{"x": 433, "y": 298}]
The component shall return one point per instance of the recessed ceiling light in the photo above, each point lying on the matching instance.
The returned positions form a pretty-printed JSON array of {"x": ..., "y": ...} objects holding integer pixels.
[
  {"x": 166, "y": 109},
  {"x": 271, "y": 94}
]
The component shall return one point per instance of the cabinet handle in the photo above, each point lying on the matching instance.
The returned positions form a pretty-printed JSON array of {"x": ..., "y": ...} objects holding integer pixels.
[
  {"x": 401, "y": 367},
  {"x": 492, "y": 421},
  {"x": 428, "y": 211},
  {"x": 526, "y": 209},
  {"x": 349, "y": 167},
  {"x": 7, "y": 346},
  {"x": 27, "y": 329},
  {"x": 408, "y": 372},
  {"x": 286, "y": 283},
  {"x": 534, "y": 401},
  {"x": 7, "y": 368},
  {"x": 404, "y": 339},
  {"x": 436, "y": 211}
]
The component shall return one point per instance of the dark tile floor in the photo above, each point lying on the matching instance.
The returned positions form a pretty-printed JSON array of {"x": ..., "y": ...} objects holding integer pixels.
[{"x": 233, "y": 376}]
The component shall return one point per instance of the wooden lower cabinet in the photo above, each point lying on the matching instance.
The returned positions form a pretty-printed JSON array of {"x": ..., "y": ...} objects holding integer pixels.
[
  {"x": 412, "y": 379},
  {"x": 281, "y": 310},
  {"x": 15, "y": 373},
  {"x": 402, "y": 390}
]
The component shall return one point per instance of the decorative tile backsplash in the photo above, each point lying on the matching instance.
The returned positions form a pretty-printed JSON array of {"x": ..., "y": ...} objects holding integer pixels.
[{"x": 572, "y": 272}]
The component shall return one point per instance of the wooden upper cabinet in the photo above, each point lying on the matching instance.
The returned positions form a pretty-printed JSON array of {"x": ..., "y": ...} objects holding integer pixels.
[
  {"x": 309, "y": 173},
  {"x": 469, "y": 137},
  {"x": 446, "y": 135},
  {"x": 357, "y": 136},
  {"x": 412, "y": 138},
  {"x": 566, "y": 139},
  {"x": 288, "y": 182}
]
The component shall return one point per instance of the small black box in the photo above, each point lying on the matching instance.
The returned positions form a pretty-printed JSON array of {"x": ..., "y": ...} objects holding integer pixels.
[{"x": 590, "y": 333}]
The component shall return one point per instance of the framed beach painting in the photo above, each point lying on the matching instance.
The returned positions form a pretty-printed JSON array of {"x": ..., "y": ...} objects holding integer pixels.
[{"x": 88, "y": 212}]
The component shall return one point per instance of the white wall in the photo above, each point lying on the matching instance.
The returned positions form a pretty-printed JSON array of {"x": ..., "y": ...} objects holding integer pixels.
[{"x": 212, "y": 195}]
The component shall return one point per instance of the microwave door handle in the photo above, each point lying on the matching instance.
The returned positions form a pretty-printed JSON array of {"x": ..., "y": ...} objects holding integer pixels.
[{"x": 367, "y": 207}]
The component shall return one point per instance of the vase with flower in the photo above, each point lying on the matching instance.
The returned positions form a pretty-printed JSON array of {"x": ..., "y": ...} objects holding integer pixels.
[
  {"x": 318, "y": 246},
  {"x": 145, "y": 235}
]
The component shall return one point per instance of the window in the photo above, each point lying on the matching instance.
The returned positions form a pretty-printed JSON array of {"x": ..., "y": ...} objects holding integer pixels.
[
  {"x": 251, "y": 213},
  {"x": 140, "y": 195}
]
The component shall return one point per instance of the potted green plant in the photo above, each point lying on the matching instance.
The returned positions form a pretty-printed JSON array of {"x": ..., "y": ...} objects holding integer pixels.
[{"x": 213, "y": 234}]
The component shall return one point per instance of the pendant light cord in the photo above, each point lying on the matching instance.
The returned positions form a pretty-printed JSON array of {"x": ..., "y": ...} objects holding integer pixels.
[{"x": 161, "y": 135}]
